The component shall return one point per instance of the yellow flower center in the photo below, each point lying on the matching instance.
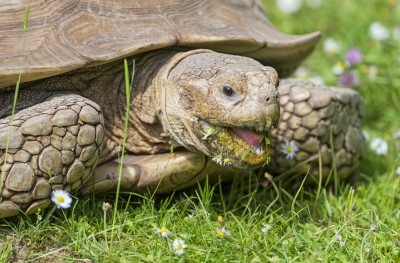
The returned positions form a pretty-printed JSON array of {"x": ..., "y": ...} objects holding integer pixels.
[
  {"x": 179, "y": 246},
  {"x": 163, "y": 230},
  {"x": 221, "y": 233},
  {"x": 220, "y": 219},
  {"x": 60, "y": 199},
  {"x": 289, "y": 149}
]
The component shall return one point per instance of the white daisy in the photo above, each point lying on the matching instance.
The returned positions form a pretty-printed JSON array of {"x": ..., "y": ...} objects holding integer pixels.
[
  {"x": 218, "y": 159},
  {"x": 266, "y": 228},
  {"x": 163, "y": 232},
  {"x": 61, "y": 199},
  {"x": 379, "y": 146},
  {"x": 106, "y": 206},
  {"x": 178, "y": 246},
  {"x": 227, "y": 161},
  {"x": 330, "y": 46},
  {"x": 378, "y": 32},
  {"x": 342, "y": 243},
  {"x": 223, "y": 232},
  {"x": 338, "y": 68},
  {"x": 289, "y": 148},
  {"x": 289, "y": 6}
]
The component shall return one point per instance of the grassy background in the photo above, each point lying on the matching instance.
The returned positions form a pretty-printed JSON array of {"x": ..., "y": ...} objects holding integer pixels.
[{"x": 360, "y": 224}]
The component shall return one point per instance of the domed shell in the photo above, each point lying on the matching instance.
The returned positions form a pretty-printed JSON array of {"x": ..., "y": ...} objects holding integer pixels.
[{"x": 66, "y": 35}]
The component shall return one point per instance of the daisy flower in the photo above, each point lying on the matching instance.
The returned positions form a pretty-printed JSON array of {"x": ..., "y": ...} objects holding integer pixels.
[
  {"x": 289, "y": 6},
  {"x": 379, "y": 146},
  {"x": 398, "y": 170},
  {"x": 266, "y": 228},
  {"x": 342, "y": 243},
  {"x": 61, "y": 199},
  {"x": 220, "y": 219},
  {"x": 338, "y": 68},
  {"x": 221, "y": 160},
  {"x": 190, "y": 217},
  {"x": 331, "y": 47},
  {"x": 163, "y": 232},
  {"x": 289, "y": 148},
  {"x": 223, "y": 232},
  {"x": 178, "y": 246},
  {"x": 227, "y": 161},
  {"x": 218, "y": 159},
  {"x": 378, "y": 32},
  {"x": 106, "y": 206}
]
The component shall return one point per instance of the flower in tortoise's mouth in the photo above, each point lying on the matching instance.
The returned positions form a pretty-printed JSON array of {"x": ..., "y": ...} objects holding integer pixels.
[{"x": 242, "y": 146}]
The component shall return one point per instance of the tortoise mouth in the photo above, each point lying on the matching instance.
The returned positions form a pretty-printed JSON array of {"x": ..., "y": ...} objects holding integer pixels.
[{"x": 238, "y": 146}]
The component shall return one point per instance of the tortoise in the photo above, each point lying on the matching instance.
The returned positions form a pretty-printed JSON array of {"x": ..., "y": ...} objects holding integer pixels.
[{"x": 205, "y": 99}]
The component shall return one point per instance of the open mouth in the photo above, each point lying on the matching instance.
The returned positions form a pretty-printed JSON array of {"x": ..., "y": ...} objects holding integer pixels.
[
  {"x": 238, "y": 143},
  {"x": 251, "y": 137}
]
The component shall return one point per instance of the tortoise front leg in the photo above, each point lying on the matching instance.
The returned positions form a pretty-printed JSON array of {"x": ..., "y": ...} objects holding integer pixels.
[
  {"x": 54, "y": 145},
  {"x": 159, "y": 172}
]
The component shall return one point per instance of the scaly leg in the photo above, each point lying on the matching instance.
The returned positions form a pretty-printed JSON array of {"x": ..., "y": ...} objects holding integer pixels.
[
  {"x": 159, "y": 172},
  {"x": 54, "y": 145},
  {"x": 324, "y": 123}
]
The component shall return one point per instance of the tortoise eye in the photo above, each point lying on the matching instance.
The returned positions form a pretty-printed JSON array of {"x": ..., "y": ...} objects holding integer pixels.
[{"x": 228, "y": 91}]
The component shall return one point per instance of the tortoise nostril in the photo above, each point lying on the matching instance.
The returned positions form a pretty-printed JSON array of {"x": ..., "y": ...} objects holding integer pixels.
[{"x": 268, "y": 98}]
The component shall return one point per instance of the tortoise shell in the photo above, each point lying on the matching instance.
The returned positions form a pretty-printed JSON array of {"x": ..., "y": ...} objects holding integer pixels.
[{"x": 66, "y": 35}]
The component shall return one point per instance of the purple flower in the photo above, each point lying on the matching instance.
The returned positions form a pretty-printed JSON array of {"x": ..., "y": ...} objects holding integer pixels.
[
  {"x": 348, "y": 79},
  {"x": 353, "y": 57}
]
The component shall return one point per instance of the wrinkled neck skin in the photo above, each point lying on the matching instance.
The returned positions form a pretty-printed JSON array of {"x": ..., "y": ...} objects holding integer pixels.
[
  {"x": 148, "y": 131},
  {"x": 180, "y": 124},
  {"x": 154, "y": 97}
]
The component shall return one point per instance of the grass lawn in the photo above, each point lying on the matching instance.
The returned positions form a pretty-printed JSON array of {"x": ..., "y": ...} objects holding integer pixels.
[{"x": 244, "y": 221}]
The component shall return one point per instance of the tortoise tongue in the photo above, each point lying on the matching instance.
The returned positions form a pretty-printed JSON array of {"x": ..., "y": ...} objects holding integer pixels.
[{"x": 251, "y": 137}]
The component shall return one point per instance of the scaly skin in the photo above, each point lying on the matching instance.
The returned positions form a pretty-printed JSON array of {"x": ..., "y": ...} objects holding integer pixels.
[
  {"x": 73, "y": 122},
  {"x": 325, "y": 124}
]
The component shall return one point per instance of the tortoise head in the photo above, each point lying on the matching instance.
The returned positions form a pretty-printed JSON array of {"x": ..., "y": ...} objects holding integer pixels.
[{"x": 222, "y": 105}]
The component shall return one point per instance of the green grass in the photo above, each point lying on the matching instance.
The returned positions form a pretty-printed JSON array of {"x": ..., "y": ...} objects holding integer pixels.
[{"x": 305, "y": 226}]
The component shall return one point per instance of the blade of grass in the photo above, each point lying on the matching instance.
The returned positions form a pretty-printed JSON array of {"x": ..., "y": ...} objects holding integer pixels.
[{"x": 121, "y": 162}]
